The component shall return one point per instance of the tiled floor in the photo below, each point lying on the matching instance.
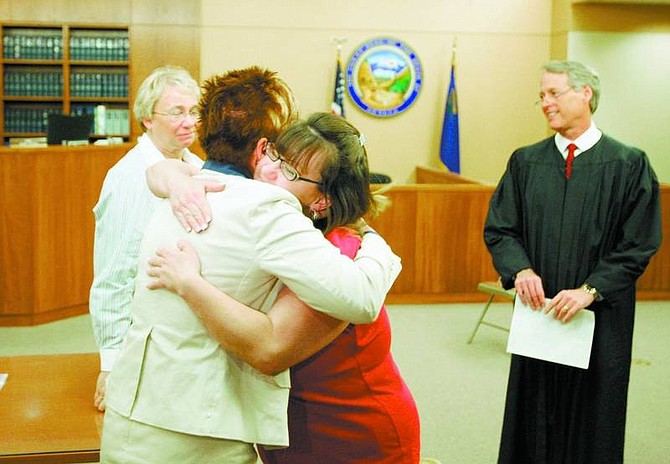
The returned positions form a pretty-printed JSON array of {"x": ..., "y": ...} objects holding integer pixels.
[{"x": 459, "y": 388}]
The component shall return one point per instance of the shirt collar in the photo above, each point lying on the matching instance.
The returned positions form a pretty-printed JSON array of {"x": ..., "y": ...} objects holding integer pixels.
[
  {"x": 154, "y": 154},
  {"x": 584, "y": 142},
  {"x": 226, "y": 168}
]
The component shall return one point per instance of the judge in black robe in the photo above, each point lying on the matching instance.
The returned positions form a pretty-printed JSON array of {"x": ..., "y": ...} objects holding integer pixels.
[{"x": 600, "y": 227}]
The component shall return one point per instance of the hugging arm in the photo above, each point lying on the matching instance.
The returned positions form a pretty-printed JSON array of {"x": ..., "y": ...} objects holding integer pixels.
[
  {"x": 289, "y": 247},
  {"x": 289, "y": 333},
  {"x": 174, "y": 179}
]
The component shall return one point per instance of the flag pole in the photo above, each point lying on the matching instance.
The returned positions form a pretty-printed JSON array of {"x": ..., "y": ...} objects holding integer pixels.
[
  {"x": 449, "y": 143},
  {"x": 338, "y": 41},
  {"x": 337, "y": 105}
]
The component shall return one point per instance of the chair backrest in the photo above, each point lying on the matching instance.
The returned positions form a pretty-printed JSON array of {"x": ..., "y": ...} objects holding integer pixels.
[{"x": 379, "y": 178}]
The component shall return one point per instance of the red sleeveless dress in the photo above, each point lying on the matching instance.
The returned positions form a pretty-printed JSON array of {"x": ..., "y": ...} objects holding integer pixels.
[{"x": 348, "y": 402}]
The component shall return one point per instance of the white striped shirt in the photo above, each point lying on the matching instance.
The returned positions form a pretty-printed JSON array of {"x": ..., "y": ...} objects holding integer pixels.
[{"x": 121, "y": 215}]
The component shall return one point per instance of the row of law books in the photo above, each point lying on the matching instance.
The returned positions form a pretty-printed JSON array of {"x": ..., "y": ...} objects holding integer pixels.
[
  {"x": 106, "y": 121},
  {"x": 87, "y": 84},
  {"x": 32, "y": 44},
  {"x": 33, "y": 84},
  {"x": 27, "y": 120},
  {"x": 112, "y": 121},
  {"x": 100, "y": 47},
  {"x": 27, "y": 142},
  {"x": 47, "y": 44}
]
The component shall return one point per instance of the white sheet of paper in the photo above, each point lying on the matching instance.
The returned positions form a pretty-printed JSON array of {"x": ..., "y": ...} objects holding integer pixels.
[{"x": 540, "y": 336}]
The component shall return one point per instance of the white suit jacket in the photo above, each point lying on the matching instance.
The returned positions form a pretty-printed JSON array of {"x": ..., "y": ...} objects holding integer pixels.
[{"x": 172, "y": 374}]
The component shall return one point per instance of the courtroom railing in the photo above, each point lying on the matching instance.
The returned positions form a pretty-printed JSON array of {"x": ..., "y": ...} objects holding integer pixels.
[{"x": 437, "y": 230}]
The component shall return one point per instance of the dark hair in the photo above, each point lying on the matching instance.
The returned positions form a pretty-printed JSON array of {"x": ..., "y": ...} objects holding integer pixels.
[
  {"x": 240, "y": 107},
  {"x": 344, "y": 170}
]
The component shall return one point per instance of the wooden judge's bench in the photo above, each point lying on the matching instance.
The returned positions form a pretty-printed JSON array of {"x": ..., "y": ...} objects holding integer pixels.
[
  {"x": 436, "y": 226},
  {"x": 47, "y": 229}
]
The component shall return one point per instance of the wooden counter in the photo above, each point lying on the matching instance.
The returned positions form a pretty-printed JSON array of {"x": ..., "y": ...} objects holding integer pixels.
[
  {"x": 46, "y": 409},
  {"x": 437, "y": 230},
  {"x": 46, "y": 229}
]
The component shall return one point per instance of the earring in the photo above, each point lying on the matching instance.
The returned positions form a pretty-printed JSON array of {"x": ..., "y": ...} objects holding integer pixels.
[{"x": 315, "y": 215}]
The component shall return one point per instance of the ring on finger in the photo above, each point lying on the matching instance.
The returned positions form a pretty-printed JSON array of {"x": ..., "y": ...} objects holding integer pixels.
[{"x": 565, "y": 308}]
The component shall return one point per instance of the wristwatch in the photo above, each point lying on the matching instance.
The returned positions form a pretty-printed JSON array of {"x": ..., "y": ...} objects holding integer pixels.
[{"x": 591, "y": 291}]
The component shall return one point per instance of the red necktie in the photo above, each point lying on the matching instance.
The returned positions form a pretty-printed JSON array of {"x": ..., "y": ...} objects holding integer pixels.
[{"x": 568, "y": 162}]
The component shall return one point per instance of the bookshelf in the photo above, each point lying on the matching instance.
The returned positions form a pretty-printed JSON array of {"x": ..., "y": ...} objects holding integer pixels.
[{"x": 68, "y": 69}]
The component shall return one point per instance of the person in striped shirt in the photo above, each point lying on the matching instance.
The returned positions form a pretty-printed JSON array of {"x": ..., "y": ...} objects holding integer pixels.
[{"x": 166, "y": 106}]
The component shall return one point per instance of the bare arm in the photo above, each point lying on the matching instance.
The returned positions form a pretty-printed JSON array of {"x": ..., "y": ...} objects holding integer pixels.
[
  {"x": 174, "y": 179},
  {"x": 288, "y": 334}
]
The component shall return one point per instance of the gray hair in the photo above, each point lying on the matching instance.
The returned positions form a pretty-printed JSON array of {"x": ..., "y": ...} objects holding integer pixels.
[
  {"x": 154, "y": 86},
  {"x": 579, "y": 75}
]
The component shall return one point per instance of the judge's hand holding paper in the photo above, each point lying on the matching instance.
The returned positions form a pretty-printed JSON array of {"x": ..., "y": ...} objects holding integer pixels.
[
  {"x": 565, "y": 338},
  {"x": 566, "y": 304}
]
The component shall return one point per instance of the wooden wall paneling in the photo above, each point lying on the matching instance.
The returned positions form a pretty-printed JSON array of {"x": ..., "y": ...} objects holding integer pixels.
[
  {"x": 621, "y": 18},
  {"x": 655, "y": 282},
  {"x": 397, "y": 224},
  {"x": 67, "y": 226},
  {"x": 426, "y": 175},
  {"x": 160, "y": 45},
  {"x": 437, "y": 230},
  {"x": 450, "y": 247},
  {"x": 17, "y": 223},
  {"x": 51, "y": 251}
]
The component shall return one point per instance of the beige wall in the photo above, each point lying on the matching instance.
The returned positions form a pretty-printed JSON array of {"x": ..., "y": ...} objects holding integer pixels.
[
  {"x": 634, "y": 106},
  {"x": 501, "y": 44},
  {"x": 499, "y": 53},
  {"x": 629, "y": 45}
]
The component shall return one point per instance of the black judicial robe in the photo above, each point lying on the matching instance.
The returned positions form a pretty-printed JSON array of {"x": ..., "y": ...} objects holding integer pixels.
[{"x": 602, "y": 226}]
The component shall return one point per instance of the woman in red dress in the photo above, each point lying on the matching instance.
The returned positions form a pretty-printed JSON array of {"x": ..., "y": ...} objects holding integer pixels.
[{"x": 348, "y": 402}]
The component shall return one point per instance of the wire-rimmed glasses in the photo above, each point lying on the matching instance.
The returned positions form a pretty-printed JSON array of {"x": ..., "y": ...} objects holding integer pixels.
[
  {"x": 178, "y": 114},
  {"x": 287, "y": 170},
  {"x": 552, "y": 95}
]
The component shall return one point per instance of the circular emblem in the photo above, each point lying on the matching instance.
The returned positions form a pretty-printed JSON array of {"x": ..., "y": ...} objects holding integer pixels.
[{"x": 384, "y": 77}]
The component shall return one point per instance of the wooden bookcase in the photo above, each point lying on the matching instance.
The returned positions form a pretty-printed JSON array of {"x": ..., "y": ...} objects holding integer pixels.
[{"x": 68, "y": 69}]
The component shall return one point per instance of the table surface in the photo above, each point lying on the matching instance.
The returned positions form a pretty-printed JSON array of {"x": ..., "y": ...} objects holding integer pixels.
[{"x": 46, "y": 409}]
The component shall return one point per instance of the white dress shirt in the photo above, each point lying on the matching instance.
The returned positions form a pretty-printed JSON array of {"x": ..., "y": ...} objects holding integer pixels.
[
  {"x": 121, "y": 215},
  {"x": 585, "y": 141}
]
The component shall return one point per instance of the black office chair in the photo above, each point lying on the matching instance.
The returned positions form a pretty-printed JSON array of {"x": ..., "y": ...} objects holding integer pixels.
[{"x": 378, "y": 178}]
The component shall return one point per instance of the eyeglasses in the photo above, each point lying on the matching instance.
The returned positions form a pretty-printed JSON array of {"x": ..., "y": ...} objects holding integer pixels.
[
  {"x": 286, "y": 169},
  {"x": 552, "y": 95},
  {"x": 178, "y": 114}
]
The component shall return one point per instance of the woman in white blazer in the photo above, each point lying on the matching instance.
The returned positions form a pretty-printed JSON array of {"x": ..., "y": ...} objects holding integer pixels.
[{"x": 175, "y": 395}]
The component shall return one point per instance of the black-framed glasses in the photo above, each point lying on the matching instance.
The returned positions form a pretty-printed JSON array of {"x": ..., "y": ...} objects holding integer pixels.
[
  {"x": 178, "y": 114},
  {"x": 287, "y": 170},
  {"x": 552, "y": 95}
]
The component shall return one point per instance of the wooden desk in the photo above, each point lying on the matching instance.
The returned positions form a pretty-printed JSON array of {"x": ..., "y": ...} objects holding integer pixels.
[
  {"x": 47, "y": 228},
  {"x": 437, "y": 230},
  {"x": 46, "y": 409}
]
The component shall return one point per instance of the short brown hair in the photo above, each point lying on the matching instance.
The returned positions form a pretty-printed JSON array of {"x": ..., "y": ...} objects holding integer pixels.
[{"x": 240, "y": 107}]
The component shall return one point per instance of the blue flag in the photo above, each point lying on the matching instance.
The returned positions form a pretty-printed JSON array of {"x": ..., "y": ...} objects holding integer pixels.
[
  {"x": 337, "y": 106},
  {"x": 450, "y": 152}
]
